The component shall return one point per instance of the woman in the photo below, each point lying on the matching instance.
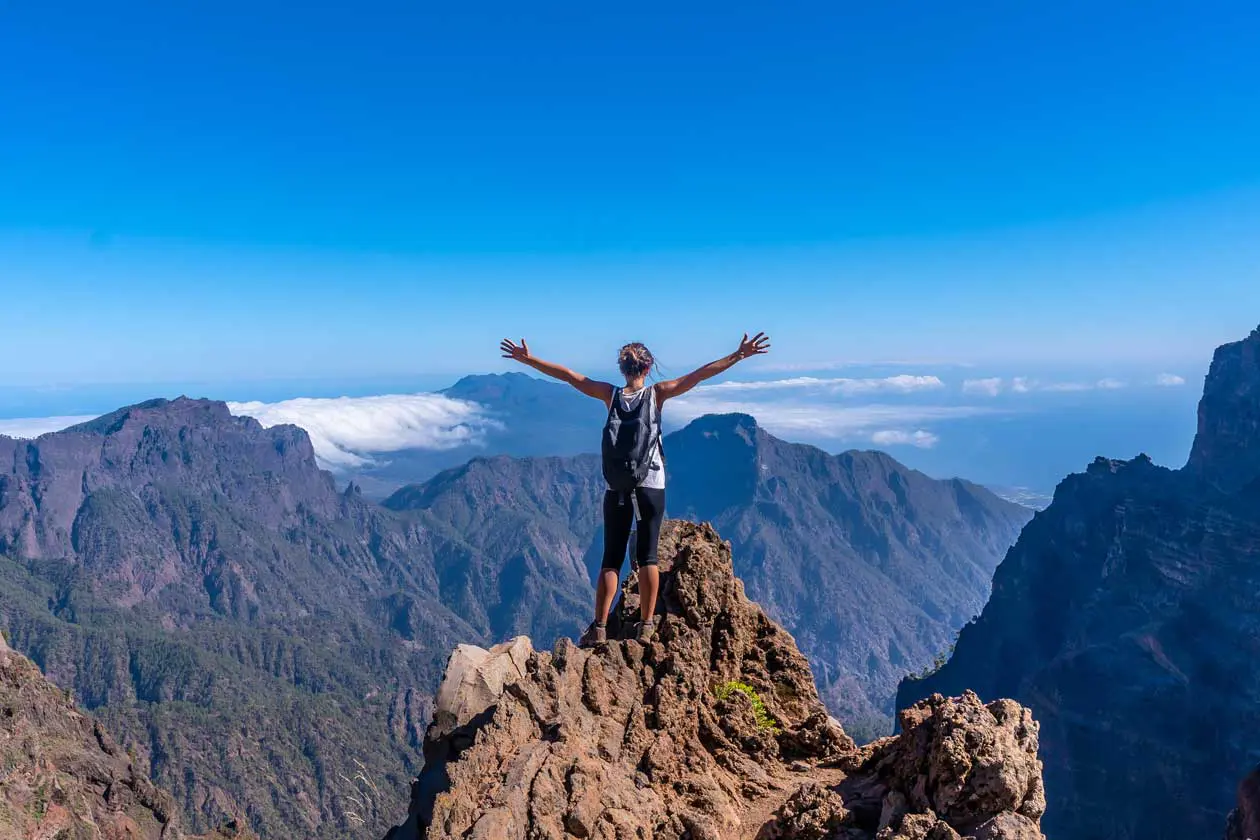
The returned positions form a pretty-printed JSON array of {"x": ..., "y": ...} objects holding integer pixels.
[{"x": 648, "y": 501}]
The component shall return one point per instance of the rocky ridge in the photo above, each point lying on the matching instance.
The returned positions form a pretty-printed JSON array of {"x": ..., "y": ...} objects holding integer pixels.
[
  {"x": 62, "y": 776},
  {"x": 1127, "y": 618},
  {"x": 715, "y": 731}
]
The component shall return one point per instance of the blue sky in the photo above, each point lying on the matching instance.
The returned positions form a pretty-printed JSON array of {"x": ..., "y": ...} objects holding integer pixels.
[
  {"x": 252, "y": 202},
  {"x": 240, "y": 192}
]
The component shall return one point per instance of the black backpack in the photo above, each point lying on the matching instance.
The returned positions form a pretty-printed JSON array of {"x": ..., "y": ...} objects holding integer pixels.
[{"x": 629, "y": 440}]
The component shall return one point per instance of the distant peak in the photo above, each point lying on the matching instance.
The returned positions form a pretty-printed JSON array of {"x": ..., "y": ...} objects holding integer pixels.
[
  {"x": 732, "y": 422},
  {"x": 481, "y": 378},
  {"x": 491, "y": 386},
  {"x": 182, "y": 408}
]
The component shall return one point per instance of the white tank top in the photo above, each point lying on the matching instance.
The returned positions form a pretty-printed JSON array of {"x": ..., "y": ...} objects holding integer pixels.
[{"x": 655, "y": 479}]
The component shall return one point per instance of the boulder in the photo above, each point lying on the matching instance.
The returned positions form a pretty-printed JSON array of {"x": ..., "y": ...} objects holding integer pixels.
[{"x": 474, "y": 682}]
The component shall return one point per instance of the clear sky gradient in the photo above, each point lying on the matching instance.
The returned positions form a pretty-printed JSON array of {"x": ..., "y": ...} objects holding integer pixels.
[{"x": 242, "y": 192}]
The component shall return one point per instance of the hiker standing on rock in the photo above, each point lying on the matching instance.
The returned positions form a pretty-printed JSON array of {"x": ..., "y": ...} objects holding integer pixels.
[{"x": 634, "y": 465}]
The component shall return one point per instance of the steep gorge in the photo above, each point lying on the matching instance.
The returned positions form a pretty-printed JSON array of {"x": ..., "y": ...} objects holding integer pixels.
[{"x": 1127, "y": 617}]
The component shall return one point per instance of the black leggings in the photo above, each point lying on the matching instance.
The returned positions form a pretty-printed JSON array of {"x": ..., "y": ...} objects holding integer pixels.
[{"x": 619, "y": 514}]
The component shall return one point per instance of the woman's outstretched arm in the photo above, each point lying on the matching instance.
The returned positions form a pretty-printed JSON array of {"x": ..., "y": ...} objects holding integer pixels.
[
  {"x": 591, "y": 387},
  {"x": 755, "y": 346}
]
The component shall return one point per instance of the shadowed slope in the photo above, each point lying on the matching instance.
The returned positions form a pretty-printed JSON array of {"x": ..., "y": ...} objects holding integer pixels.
[{"x": 1127, "y": 618}]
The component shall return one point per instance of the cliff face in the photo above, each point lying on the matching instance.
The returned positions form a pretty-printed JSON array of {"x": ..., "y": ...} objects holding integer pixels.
[
  {"x": 712, "y": 732},
  {"x": 872, "y": 566},
  {"x": 1226, "y": 451},
  {"x": 1126, "y": 617},
  {"x": 63, "y": 776}
]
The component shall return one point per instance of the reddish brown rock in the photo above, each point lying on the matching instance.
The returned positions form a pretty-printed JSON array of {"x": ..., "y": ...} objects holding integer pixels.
[
  {"x": 963, "y": 761},
  {"x": 715, "y": 731}
]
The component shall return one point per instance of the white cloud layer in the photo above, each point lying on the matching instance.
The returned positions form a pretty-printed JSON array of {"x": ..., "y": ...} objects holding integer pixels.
[
  {"x": 900, "y": 384},
  {"x": 1169, "y": 380},
  {"x": 820, "y": 420},
  {"x": 990, "y": 387},
  {"x": 33, "y": 427},
  {"x": 896, "y": 437},
  {"x": 993, "y": 386},
  {"x": 345, "y": 431}
]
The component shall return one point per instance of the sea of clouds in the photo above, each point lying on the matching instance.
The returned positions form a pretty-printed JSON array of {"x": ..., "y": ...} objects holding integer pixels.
[{"x": 347, "y": 431}]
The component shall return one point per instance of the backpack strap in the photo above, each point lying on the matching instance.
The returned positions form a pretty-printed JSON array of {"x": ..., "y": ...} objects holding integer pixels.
[
  {"x": 655, "y": 414},
  {"x": 612, "y": 409}
]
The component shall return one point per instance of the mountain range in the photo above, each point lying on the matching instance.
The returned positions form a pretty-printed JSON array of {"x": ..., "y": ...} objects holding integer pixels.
[
  {"x": 267, "y": 644},
  {"x": 258, "y": 637},
  {"x": 1127, "y": 618}
]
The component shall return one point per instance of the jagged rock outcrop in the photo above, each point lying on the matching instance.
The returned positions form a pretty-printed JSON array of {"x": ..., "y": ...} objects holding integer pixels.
[
  {"x": 63, "y": 777},
  {"x": 1244, "y": 820},
  {"x": 714, "y": 731},
  {"x": 1127, "y": 617}
]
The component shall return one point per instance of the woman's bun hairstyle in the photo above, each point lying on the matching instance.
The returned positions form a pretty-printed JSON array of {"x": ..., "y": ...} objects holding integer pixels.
[{"x": 635, "y": 359}]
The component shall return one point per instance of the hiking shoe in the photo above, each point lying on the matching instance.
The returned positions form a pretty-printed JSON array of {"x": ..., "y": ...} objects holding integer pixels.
[
  {"x": 595, "y": 634},
  {"x": 645, "y": 631}
]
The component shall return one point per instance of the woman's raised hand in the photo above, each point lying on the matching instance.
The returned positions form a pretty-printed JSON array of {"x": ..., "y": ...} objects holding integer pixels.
[
  {"x": 512, "y": 350},
  {"x": 755, "y": 346}
]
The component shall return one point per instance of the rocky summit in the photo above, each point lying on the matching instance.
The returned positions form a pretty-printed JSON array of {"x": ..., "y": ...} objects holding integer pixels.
[
  {"x": 63, "y": 777},
  {"x": 713, "y": 731},
  {"x": 1127, "y": 618}
]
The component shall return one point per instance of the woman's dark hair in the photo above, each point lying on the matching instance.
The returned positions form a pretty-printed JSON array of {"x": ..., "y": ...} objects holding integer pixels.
[{"x": 635, "y": 359}]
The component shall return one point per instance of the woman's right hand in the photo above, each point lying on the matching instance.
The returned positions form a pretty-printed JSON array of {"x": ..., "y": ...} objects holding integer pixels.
[
  {"x": 755, "y": 346},
  {"x": 512, "y": 350}
]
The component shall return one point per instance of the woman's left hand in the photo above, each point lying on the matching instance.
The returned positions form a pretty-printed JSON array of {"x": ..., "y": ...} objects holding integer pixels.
[{"x": 512, "y": 350}]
